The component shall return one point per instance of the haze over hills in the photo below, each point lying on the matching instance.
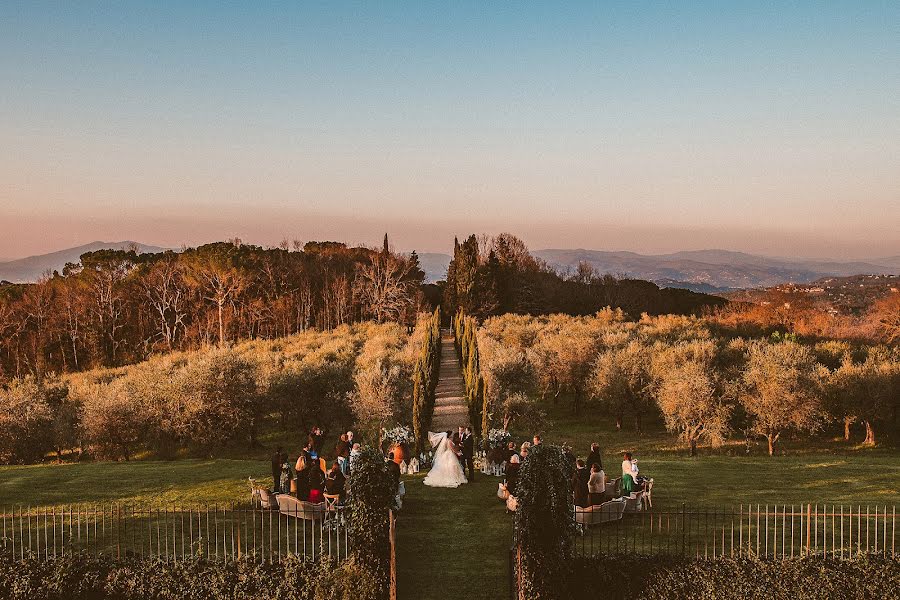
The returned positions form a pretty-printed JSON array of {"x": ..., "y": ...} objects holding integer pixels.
[
  {"x": 708, "y": 271},
  {"x": 32, "y": 268}
]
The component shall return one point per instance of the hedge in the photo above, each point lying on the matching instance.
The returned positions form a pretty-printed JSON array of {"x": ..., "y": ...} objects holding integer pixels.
[
  {"x": 83, "y": 577},
  {"x": 671, "y": 578}
]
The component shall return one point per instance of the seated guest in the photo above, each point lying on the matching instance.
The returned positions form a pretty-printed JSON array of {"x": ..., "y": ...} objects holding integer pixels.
[
  {"x": 316, "y": 483},
  {"x": 594, "y": 457},
  {"x": 596, "y": 484},
  {"x": 580, "y": 484},
  {"x": 302, "y": 477},
  {"x": 512, "y": 474},
  {"x": 335, "y": 481}
]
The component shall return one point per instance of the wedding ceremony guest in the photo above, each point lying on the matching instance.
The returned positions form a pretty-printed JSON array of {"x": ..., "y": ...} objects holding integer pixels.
[
  {"x": 537, "y": 440},
  {"x": 510, "y": 450},
  {"x": 596, "y": 484},
  {"x": 285, "y": 478},
  {"x": 594, "y": 457},
  {"x": 315, "y": 441},
  {"x": 580, "y": 484},
  {"x": 342, "y": 451},
  {"x": 523, "y": 451},
  {"x": 350, "y": 439},
  {"x": 629, "y": 474},
  {"x": 278, "y": 459},
  {"x": 316, "y": 483},
  {"x": 354, "y": 453},
  {"x": 335, "y": 481},
  {"x": 302, "y": 477},
  {"x": 394, "y": 468},
  {"x": 305, "y": 455},
  {"x": 512, "y": 474}
]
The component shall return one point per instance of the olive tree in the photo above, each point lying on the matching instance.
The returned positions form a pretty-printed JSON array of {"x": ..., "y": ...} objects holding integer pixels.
[{"x": 781, "y": 390}]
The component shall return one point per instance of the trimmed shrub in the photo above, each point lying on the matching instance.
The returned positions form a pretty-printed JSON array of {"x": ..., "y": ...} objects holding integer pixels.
[{"x": 675, "y": 578}]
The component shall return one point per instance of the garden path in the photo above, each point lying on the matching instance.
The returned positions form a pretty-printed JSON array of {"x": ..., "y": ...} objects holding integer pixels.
[{"x": 450, "y": 410}]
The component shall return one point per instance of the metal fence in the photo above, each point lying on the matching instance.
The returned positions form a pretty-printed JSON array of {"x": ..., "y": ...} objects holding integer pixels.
[
  {"x": 175, "y": 533},
  {"x": 766, "y": 531}
]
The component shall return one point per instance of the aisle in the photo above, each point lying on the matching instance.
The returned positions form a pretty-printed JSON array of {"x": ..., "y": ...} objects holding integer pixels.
[
  {"x": 450, "y": 410},
  {"x": 453, "y": 543}
]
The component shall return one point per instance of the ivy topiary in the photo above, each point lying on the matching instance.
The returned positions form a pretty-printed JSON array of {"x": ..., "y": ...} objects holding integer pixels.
[
  {"x": 545, "y": 524},
  {"x": 372, "y": 492}
]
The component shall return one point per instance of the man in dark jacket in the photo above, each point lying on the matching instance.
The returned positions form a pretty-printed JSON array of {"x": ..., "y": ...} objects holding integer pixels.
[
  {"x": 594, "y": 457},
  {"x": 580, "y": 484},
  {"x": 278, "y": 460},
  {"x": 468, "y": 452}
]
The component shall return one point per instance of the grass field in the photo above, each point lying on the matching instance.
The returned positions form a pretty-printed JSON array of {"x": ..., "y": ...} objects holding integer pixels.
[
  {"x": 453, "y": 539},
  {"x": 458, "y": 539}
]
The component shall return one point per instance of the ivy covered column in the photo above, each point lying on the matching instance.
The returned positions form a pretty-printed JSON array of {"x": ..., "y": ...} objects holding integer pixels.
[
  {"x": 371, "y": 495},
  {"x": 545, "y": 524}
]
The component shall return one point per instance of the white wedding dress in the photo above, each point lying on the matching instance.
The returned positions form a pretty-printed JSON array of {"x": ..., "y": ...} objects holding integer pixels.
[{"x": 446, "y": 470}]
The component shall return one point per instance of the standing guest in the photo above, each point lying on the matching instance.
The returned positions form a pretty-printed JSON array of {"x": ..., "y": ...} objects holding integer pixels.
[
  {"x": 354, "y": 454},
  {"x": 394, "y": 468},
  {"x": 350, "y": 439},
  {"x": 594, "y": 457},
  {"x": 580, "y": 484},
  {"x": 629, "y": 475},
  {"x": 316, "y": 440},
  {"x": 316, "y": 483},
  {"x": 335, "y": 481},
  {"x": 512, "y": 474},
  {"x": 278, "y": 459},
  {"x": 510, "y": 450},
  {"x": 537, "y": 440},
  {"x": 305, "y": 455},
  {"x": 523, "y": 451},
  {"x": 596, "y": 484},
  {"x": 342, "y": 451},
  {"x": 302, "y": 477}
]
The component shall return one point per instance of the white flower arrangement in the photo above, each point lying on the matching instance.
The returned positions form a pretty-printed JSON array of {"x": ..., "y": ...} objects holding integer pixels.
[
  {"x": 498, "y": 438},
  {"x": 398, "y": 435}
]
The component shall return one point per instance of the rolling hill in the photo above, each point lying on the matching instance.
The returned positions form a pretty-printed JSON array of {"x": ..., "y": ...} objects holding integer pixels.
[{"x": 31, "y": 268}]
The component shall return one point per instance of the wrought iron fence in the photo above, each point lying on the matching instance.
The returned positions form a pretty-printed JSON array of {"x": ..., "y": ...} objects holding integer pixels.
[
  {"x": 767, "y": 531},
  {"x": 175, "y": 533}
]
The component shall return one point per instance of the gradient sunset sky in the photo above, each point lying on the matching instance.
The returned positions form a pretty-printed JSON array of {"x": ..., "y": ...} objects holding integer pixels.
[{"x": 764, "y": 127}]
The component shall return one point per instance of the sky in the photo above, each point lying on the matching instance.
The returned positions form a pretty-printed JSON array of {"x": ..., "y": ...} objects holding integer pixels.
[{"x": 764, "y": 127}]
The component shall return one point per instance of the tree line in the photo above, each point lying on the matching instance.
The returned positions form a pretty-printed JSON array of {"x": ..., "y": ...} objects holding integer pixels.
[
  {"x": 491, "y": 276},
  {"x": 118, "y": 307},
  {"x": 200, "y": 401},
  {"x": 705, "y": 385},
  {"x": 426, "y": 373}
]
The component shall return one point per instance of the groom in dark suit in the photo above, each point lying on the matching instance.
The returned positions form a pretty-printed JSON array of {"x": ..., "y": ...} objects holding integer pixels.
[{"x": 467, "y": 445}]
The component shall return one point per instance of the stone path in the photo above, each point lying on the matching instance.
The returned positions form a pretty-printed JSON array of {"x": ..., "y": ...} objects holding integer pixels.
[{"x": 450, "y": 410}]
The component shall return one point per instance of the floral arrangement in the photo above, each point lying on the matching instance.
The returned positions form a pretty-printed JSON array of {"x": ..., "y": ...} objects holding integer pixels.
[
  {"x": 498, "y": 438},
  {"x": 398, "y": 435}
]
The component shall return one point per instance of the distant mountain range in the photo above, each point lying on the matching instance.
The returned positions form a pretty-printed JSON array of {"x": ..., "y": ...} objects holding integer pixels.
[
  {"x": 708, "y": 271},
  {"x": 33, "y": 267}
]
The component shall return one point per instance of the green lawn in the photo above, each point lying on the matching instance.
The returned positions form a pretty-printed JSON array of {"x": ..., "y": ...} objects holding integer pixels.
[
  {"x": 458, "y": 539},
  {"x": 453, "y": 541},
  {"x": 818, "y": 470},
  {"x": 157, "y": 483}
]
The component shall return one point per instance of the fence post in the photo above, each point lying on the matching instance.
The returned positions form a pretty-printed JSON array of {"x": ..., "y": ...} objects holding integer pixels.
[
  {"x": 808, "y": 528},
  {"x": 393, "y": 535}
]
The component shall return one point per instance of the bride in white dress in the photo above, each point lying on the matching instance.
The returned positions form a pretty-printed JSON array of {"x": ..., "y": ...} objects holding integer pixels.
[{"x": 446, "y": 471}]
